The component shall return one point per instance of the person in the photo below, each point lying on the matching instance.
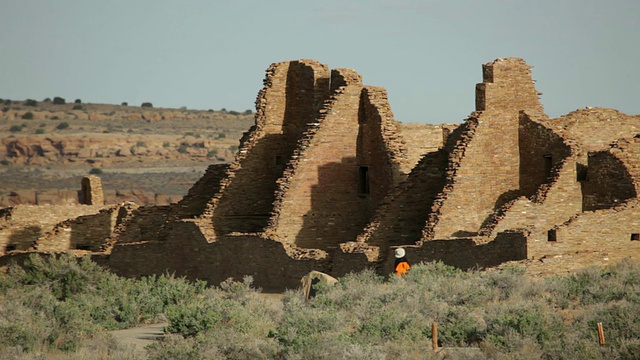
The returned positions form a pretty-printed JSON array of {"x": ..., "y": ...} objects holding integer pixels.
[{"x": 401, "y": 265}]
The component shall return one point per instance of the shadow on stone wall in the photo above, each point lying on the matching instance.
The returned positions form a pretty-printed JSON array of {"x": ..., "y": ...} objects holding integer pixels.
[
  {"x": 22, "y": 239},
  {"x": 91, "y": 232},
  {"x": 337, "y": 214}
]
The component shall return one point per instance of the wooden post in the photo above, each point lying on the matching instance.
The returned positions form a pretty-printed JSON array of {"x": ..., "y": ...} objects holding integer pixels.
[
  {"x": 434, "y": 335},
  {"x": 600, "y": 334}
]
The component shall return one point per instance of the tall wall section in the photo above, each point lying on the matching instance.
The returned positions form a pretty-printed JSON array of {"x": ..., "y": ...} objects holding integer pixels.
[
  {"x": 380, "y": 149},
  {"x": 319, "y": 203},
  {"x": 292, "y": 95},
  {"x": 488, "y": 172},
  {"x": 402, "y": 216},
  {"x": 549, "y": 184}
]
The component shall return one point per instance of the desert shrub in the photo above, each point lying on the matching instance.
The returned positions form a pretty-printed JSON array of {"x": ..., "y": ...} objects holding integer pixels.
[
  {"x": 247, "y": 112},
  {"x": 5, "y": 109},
  {"x": 63, "y": 125},
  {"x": 166, "y": 144},
  {"x": 47, "y": 100},
  {"x": 222, "y": 135},
  {"x": 30, "y": 102},
  {"x": 40, "y": 131},
  {"x": 233, "y": 148},
  {"x": 78, "y": 101},
  {"x": 146, "y": 105},
  {"x": 141, "y": 144},
  {"x": 182, "y": 149},
  {"x": 55, "y": 117},
  {"x": 59, "y": 101},
  {"x": 95, "y": 171},
  {"x": 212, "y": 153},
  {"x": 124, "y": 103},
  {"x": 77, "y": 107},
  {"x": 5, "y": 162},
  {"x": 7, "y": 102},
  {"x": 28, "y": 115},
  {"x": 15, "y": 128},
  {"x": 233, "y": 112}
]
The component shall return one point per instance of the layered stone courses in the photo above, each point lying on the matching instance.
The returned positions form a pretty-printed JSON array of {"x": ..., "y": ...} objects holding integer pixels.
[{"x": 328, "y": 180}]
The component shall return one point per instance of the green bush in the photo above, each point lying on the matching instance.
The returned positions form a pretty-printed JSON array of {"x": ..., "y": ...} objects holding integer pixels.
[
  {"x": 40, "y": 131},
  {"x": 30, "y": 102},
  {"x": 222, "y": 135},
  {"x": 63, "y": 125},
  {"x": 59, "y": 101},
  {"x": 212, "y": 153},
  {"x": 5, "y": 162},
  {"x": 95, "y": 171},
  {"x": 15, "y": 128},
  {"x": 182, "y": 149},
  {"x": 166, "y": 144},
  {"x": 141, "y": 144},
  {"x": 247, "y": 112},
  {"x": 146, "y": 105},
  {"x": 124, "y": 103},
  {"x": 28, "y": 115},
  {"x": 78, "y": 101},
  {"x": 77, "y": 107}
]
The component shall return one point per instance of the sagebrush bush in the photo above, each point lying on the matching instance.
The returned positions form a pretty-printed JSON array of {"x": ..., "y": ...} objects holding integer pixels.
[{"x": 60, "y": 304}]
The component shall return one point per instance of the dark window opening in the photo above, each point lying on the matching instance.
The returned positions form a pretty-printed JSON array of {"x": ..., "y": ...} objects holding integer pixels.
[
  {"x": 548, "y": 165},
  {"x": 581, "y": 173},
  {"x": 363, "y": 180},
  {"x": 10, "y": 247},
  {"x": 83, "y": 247},
  {"x": 278, "y": 159},
  {"x": 551, "y": 235},
  {"x": 635, "y": 237}
]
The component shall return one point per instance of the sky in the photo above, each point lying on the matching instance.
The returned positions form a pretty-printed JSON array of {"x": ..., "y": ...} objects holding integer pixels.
[{"x": 212, "y": 54}]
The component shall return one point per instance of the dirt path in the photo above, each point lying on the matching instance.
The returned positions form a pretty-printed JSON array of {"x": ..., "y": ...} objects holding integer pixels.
[{"x": 140, "y": 336}]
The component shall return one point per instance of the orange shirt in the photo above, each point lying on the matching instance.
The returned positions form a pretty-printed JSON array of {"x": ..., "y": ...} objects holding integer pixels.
[{"x": 402, "y": 268}]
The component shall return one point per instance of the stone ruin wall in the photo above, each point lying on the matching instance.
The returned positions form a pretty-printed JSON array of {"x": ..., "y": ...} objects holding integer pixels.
[
  {"x": 379, "y": 148},
  {"x": 86, "y": 232},
  {"x": 421, "y": 139},
  {"x": 437, "y": 192},
  {"x": 596, "y": 128},
  {"x": 320, "y": 207},
  {"x": 607, "y": 234},
  {"x": 91, "y": 191},
  {"x": 22, "y": 225},
  {"x": 612, "y": 175},
  {"x": 489, "y": 167},
  {"x": 289, "y": 101},
  {"x": 549, "y": 187}
]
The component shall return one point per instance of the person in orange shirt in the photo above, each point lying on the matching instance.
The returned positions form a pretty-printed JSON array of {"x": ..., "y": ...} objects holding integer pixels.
[{"x": 401, "y": 265}]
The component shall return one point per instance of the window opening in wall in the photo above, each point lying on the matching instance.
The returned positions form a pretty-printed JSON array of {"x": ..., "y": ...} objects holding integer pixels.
[
  {"x": 83, "y": 247},
  {"x": 548, "y": 163},
  {"x": 278, "y": 159},
  {"x": 551, "y": 235},
  {"x": 10, "y": 247},
  {"x": 635, "y": 237},
  {"x": 363, "y": 180},
  {"x": 581, "y": 173}
]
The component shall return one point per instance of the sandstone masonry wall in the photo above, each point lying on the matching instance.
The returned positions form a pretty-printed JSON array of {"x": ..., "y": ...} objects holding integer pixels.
[
  {"x": 490, "y": 166},
  {"x": 22, "y": 225},
  {"x": 289, "y": 101},
  {"x": 319, "y": 204},
  {"x": 91, "y": 191}
]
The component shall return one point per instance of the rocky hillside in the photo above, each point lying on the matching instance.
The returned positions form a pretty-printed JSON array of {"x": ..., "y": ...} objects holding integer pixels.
[{"x": 143, "y": 154}]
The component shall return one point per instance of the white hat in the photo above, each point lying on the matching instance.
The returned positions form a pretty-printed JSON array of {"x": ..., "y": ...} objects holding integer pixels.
[{"x": 399, "y": 253}]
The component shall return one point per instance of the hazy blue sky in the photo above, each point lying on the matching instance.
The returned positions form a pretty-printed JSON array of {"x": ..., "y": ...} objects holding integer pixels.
[{"x": 211, "y": 54}]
